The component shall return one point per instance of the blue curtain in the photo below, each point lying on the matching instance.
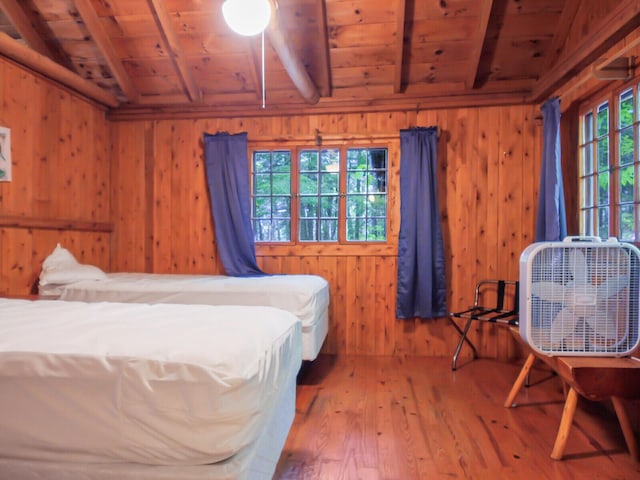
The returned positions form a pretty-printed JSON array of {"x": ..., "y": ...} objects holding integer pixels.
[
  {"x": 227, "y": 170},
  {"x": 421, "y": 266},
  {"x": 551, "y": 222}
]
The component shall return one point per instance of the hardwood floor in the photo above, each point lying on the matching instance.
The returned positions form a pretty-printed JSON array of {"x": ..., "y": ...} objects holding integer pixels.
[{"x": 374, "y": 418}]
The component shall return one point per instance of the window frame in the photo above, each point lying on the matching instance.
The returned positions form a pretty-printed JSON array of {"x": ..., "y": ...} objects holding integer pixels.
[
  {"x": 613, "y": 98},
  {"x": 295, "y": 148}
]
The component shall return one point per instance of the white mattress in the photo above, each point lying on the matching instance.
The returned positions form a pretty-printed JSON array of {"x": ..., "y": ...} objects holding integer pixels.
[
  {"x": 305, "y": 296},
  {"x": 105, "y": 384}
]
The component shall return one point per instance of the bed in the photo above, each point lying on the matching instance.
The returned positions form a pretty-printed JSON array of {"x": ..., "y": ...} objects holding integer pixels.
[
  {"x": 138, "y": 391},
  {"x": 306, "y": 296}
]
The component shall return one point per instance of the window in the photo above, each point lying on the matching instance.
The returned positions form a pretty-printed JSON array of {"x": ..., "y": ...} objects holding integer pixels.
[
  {"x": 609, "y": 161},
  {"x": 312, "y": 194}
]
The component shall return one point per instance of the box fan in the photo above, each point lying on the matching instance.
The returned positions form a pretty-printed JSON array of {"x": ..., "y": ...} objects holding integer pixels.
[{"x": 580, "y": 296}]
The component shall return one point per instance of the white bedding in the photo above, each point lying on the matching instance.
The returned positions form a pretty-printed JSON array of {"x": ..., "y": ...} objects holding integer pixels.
[
  {"x": 109, "y": 384},
  {"x": 305, "y": 296}
]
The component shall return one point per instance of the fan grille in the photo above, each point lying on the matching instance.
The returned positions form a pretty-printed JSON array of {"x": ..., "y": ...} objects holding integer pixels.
[{"x": 582, "y": 299}]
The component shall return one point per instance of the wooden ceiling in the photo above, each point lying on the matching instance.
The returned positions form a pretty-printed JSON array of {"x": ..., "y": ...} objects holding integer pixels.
[{"x": 177, "y": 56}]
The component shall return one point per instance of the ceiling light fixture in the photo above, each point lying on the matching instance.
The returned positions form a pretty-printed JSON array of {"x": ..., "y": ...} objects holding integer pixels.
[{"x": 247, "y": 17}]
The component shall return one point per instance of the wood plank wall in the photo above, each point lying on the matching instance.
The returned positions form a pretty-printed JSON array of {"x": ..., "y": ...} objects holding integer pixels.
[
  {"x": 146, "y": 179},
  {"x": 60, "y": 190},
  {"x": 488, "y": 181}
]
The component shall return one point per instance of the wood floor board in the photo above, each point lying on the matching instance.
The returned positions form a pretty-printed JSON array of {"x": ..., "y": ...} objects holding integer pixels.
[{"x": 406, "y": 418}]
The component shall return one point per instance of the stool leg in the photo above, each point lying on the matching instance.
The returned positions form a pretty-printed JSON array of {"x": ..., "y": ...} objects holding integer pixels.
[
  {"x": 565, "y": 424},
  {"x": 524, "y": 374},
  {"x": 625, "y": 425}
]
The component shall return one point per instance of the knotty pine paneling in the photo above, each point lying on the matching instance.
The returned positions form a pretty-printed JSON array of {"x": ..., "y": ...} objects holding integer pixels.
[
  {"x": 488, "y": 180},
  {"x": 60, "y": 168}
]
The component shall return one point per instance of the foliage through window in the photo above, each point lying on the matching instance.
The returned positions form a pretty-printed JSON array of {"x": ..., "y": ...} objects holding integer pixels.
[
  {"x": 311, "y": 194},
  {"x": 609, "y": 192}
]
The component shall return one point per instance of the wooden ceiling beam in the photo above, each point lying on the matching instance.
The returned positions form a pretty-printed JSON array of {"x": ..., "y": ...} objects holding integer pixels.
[
  {"x": 477, "y": 43},
  {"x": 25, "y": 24},
  {"x": 622, "y": 19},
  {"x": 99, "y": 35},
  {"x": 290, "y": 61},
  {"x": 399, "y": 47},
  {"x": 255, "y": 69},
  {"x": 172, "y": 44},
  {"x": 37, "y": 62},
  {"x": 323, "y": 40}
]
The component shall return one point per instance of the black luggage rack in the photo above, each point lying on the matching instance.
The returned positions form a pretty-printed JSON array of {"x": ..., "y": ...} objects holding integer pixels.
[{"x": 496, "y": 314}]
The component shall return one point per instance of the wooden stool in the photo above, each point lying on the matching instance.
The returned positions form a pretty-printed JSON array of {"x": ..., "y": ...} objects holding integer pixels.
[{"x": 595, "y": 378}]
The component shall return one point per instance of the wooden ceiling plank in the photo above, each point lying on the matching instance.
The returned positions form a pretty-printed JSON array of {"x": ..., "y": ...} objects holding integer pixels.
[
  {"x": 25, "y": 27},
  {"x": 94, "y": 26},
  {"x": 170, "y": 38},
  {"x": 620, "y": 21},
  {"x": 478, "y": 43},
  {"x": 290, "y": 61},
  {"x": 325, "y": 67},
  {"x": 45, "y": 66},
  {"x": 565, "y": 22},
  {"x": 399, "y": 48}
]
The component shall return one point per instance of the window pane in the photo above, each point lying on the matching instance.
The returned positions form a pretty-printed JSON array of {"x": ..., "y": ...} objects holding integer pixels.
[
  {"x": 271, "y": 199},
  {"x": 330, "y": 160},
  {"x": 308, "y": 230},
  {"x": 366, "y": 194},
  {"x": 377, "y": 206},
  {"x": 356, "y": 206},
  {"x": 626, "y": 108},
  {"x": 281, "y": 162},
  {"x": 262, "y": 184},
  {"x": 281, "y": 184},
  {"x": 377, "y": 182},
  {"x": 281, "y": 207},
  {"x": 627, "y": 223},
  {"x": 626, "y": 184},
  {"x": 262, "y": 207},
  {"x": 308, "y": 184},
  {"x": 378, "y": 159},
  {"x": 603, "y": 120},
  {"x": 329, "y": 207},
  {"x": 603, "y": 222},
  {"x": 587, "y": 192},
  {"x": 357, "y": 159},
  {"x": 603, "y": 189},
  {"x": 262, "y": 162},
  {"x": 587, "y": 222},
  {"x": 281, "y": 231},
  {"x": 588, "y": 127},
  {"x": 309, "y": 161},
  {"x": 308, "y": 207},
  {"x": 357, "y": 182},
  {"x": 602, "y": 147},
  {"x": 329, "y": 230},
  {"x": 376, "y": 230},
  {"x": 329, "y": 183},
  {"x": 319, "y": 187},
  {"x": 587, "y": 159},
  {"x": 262, "y": 230},
  {"x": 356, "y": 229},
  {"x": 626, "y": 146}
]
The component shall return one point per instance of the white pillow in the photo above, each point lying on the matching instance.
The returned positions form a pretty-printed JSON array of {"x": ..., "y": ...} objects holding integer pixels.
[{"x": 61, "y": 268}]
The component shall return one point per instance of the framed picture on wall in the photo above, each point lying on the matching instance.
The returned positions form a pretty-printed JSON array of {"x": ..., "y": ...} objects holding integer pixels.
[{"x": 5, "y": 154}]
